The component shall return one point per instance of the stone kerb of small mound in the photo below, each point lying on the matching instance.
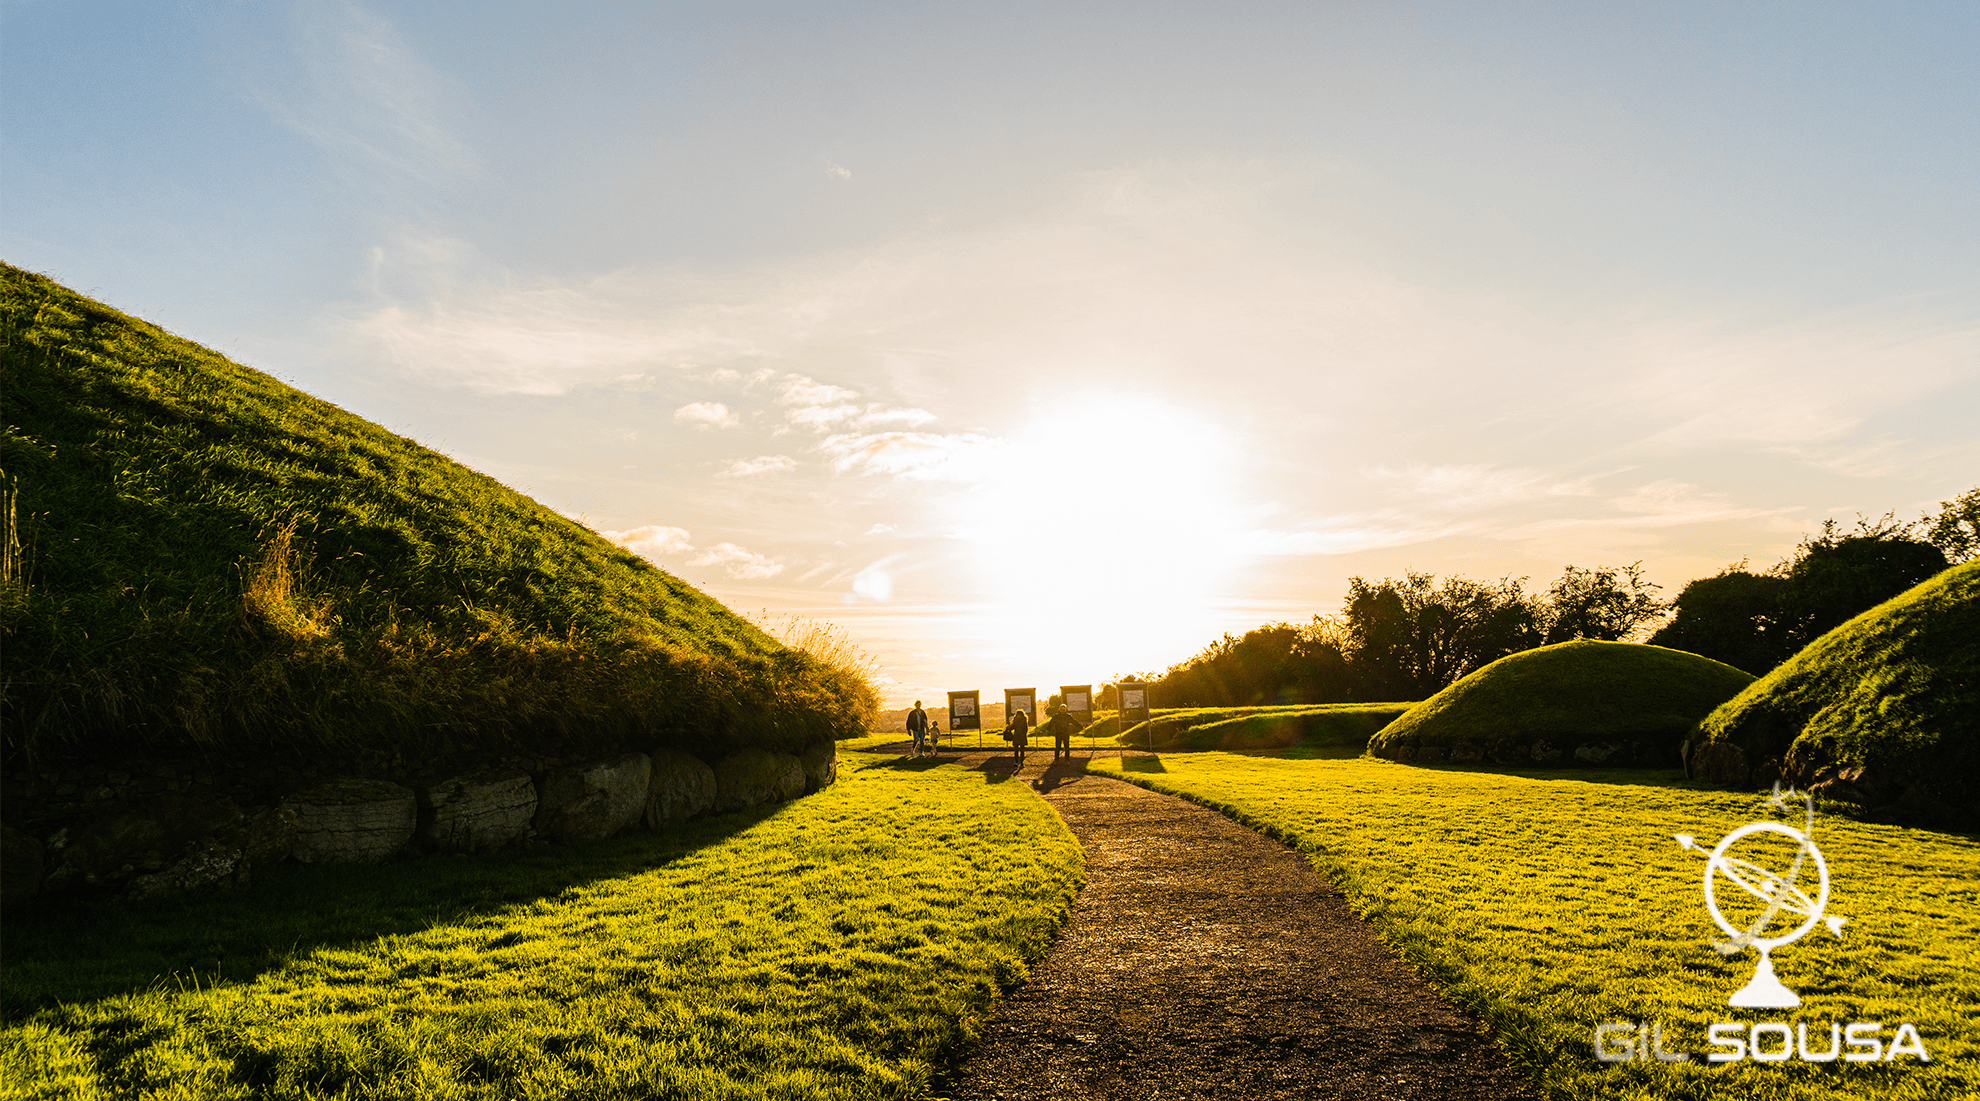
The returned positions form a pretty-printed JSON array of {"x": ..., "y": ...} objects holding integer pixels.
[
  {"x": 1582, "y": 703},
  {"x": 1882, "y": 712},
  {"x": 175, "y": 842}
]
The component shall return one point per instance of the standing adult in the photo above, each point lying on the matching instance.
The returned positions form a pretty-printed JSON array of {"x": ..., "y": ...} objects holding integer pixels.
[
  {"x": 1018, "y": 729},
  {"x": 1061, "y": 726},
  {"x": 917, "y": 724}
]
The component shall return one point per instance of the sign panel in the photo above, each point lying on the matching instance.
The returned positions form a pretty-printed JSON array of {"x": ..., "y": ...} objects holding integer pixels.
[
  {"x": 1134, "y": 704},
  {"x": 1078, "y": 699},
  {"x": 963, "y": 712},
  {"x": 1021, "y": 699}
]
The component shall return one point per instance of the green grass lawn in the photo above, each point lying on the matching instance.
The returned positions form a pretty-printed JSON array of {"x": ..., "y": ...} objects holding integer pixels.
[
  {"x": 1550, "y": 902},
  {"x": 843, "y": 945}
]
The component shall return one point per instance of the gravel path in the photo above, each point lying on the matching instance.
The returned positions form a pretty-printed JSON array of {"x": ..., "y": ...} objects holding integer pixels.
[{"x": 1204, "y": 960}]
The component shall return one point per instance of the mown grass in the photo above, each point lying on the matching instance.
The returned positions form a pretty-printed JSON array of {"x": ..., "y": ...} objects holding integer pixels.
[
  {"x": 1551, "y": 902},
  {"x": 1271, "y": 727},
  {"x": 198, "y": 558},
  {"x": 842, "y": 945}
]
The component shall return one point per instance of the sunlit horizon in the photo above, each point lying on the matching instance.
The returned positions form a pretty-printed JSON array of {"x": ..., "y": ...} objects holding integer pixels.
[{"x": 1043, "y": 347}]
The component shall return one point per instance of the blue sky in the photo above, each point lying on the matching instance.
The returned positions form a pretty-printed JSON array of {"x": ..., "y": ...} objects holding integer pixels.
[{"x": 1048, "y": 342}]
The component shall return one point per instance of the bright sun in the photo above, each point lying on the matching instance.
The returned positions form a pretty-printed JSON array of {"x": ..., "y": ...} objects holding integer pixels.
[{"x": 1109, "y": 537}]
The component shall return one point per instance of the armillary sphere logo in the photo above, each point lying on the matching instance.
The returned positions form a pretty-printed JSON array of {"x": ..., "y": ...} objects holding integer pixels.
[{"x": 1784, "y": 905}]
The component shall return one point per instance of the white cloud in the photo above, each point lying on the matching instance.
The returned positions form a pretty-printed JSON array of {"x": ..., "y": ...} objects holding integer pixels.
[
  {"x": 822, "y": 416},
  {"x": 762, "y": 464},
  {"x": 838, "y": 171},
  {"x": 882, "y": 529},
  {"x": 706, "y": 414},
  {"x": 740, "y": 563},
  {"x": 652, "y": 541},
  {"x": 800, "y": 390},
  {"x": 1468, "y": 488},
  {"x": 917, "y": 456},
  {"x": 913, "y": 418}
]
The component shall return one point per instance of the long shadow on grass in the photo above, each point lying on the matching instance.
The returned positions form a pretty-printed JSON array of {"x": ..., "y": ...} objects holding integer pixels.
[{"x": 77, "y": 951}]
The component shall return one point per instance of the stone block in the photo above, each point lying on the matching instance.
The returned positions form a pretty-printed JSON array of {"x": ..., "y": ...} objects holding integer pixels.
[
  {"x": 352, "y": 821},
  {"x": 821, "y": 764},
  {"x": 755, "y": 776},
  {"x": 595, "y": 800},
  {"x": 476, "y": 813},
  {"x": 682, "y": 786}
]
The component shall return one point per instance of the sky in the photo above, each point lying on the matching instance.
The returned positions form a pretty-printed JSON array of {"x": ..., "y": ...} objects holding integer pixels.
[{"x": 1040, "y": 344}]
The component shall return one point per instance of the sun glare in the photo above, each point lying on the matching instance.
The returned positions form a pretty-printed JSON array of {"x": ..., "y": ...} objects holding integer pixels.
[{"x": 1106, "y": 537}]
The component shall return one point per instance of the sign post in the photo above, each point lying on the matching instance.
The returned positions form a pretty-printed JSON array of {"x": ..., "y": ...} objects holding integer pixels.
[
  {"x": 1134, "y": 708},
  {"x": 1078, "y": 699},
  {"x": 965, "y": 715}
]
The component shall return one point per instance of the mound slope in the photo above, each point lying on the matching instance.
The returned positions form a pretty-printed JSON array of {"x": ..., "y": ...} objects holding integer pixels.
[
  {"x": 1883, "y": 711},
  {"x": 1582, "y": 702},
  {"x": 204, "y": 559}
]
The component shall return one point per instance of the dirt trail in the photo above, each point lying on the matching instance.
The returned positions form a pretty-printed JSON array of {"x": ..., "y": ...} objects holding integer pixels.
[{"x": 1204, "y": 960}]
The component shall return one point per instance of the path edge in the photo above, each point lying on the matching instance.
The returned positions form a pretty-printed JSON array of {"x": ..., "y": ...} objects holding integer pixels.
[{"x": 1518, "y": 1033}]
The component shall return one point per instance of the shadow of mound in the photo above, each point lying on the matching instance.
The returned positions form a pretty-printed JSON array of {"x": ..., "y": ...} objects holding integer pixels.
[{"x": 81, "y": 951}]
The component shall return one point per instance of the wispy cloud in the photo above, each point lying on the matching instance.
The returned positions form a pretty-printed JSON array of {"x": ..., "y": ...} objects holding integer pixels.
[
  {"x": 706, "y": 414},
  {"x": 739, "y": 563},
  {"x": 365, "y": 96},
  {"x": 916, "y": 456},
  {"x": 762, "y": 464},
  {"x": 654, "y": 542}
]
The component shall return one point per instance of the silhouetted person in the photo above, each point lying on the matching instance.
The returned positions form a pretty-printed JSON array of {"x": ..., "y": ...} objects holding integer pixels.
[
  {"x": 917, "y": 724},
  {"x": 1018, "y": 730},
  {"x": 1062, "y": 725}
]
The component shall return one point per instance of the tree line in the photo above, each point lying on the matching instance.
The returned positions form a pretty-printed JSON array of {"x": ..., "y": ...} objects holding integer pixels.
[{"x": 1407, "y": 639}]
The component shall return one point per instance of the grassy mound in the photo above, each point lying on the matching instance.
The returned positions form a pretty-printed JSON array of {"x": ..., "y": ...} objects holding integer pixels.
[
  {"x": 845, "y": 945},
  {"x": 1883, "y": 711},
  {"x": 199, "y": 558},
  {"x": 1241, "y": 728},
  {"x": 1573, "y": 703}
]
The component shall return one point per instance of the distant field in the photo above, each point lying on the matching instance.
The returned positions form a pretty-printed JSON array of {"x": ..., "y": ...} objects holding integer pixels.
[
  {"x": 1242, "y": 728},
  {"x": 1551, "y": 902},
  {"x": 842, "y": 945}
]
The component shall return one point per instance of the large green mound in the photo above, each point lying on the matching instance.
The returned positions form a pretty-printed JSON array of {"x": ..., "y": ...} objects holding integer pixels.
[
  {"x": 203, "y": 559},
  {"x": 1264, "y": 727},
  {"x": 1582, "y": 702},
  {"x": 1883, "y": 711}
]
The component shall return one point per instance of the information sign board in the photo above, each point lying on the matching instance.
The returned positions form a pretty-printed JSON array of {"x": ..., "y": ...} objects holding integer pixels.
[
  {"x": 1078, "y": 699},
  {"x": 963, "y": 712},
  {"x": 1021, "y": 699},
  {"x": 1134, "y": 704}
]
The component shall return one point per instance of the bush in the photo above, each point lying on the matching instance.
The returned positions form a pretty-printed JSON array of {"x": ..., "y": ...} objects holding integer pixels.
[{"x": 1241, "y": 728}]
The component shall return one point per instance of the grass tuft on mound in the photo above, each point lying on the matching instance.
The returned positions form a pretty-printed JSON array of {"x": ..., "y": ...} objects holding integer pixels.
[
  {"x": 1571, "y": 703},
  {"x": 1271, "y": 727},
  {"x": 1883, "y": 711},
  {"x": 844, "y": 945},
  {"x": 200, "y": 558}
]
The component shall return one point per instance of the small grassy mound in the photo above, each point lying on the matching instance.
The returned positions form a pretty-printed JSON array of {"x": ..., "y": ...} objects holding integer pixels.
[
  {"x": 199, "y": 558},
  {"x": 1883, "y": 711},
  {"x": 1572, "y": 703},
  {"x": 1552, "y": 902},
  {"x": 1241, "y": 728},
  {"x": 844, "y": 945}
]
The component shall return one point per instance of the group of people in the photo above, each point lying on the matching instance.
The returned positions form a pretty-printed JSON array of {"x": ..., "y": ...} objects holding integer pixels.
[{"x": 1017, "y": 731}]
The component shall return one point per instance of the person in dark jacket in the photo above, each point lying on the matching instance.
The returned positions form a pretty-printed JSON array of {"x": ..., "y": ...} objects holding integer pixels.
[
  {"x": 917, "y": 724},
  {"x": 1062, "y": 725},
  {"x": 1018, "y": 729}
]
